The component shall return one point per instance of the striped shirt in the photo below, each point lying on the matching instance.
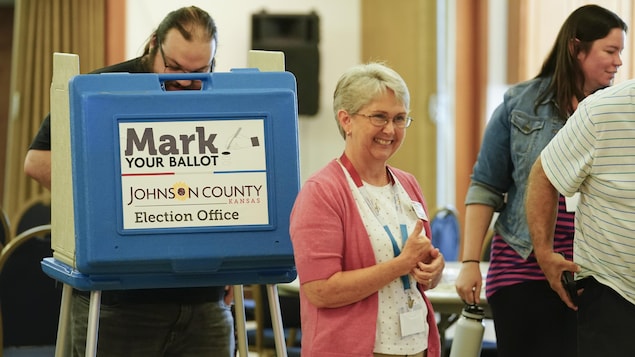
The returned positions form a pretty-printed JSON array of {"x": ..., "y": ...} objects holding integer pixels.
[
  {"x": 594, "y": 153},
  {"x": 508, "y": 268}
]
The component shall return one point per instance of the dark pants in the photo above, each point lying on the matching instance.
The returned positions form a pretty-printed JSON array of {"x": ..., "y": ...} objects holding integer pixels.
[
  {"x": 158, "y": 329},
  {"x": 531, "y": 320},
  {"x": 605, "y": 321}
]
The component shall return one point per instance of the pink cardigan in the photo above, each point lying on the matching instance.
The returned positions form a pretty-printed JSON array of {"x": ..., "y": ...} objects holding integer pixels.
[{"x": 328, "y": 236}]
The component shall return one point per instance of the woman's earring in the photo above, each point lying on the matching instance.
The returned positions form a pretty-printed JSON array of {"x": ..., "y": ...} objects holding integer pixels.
[{"x": 348, "y": 133}]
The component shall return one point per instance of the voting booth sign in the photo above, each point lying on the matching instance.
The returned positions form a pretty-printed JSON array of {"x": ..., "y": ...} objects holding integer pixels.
[{"x": 182, "y": 182}]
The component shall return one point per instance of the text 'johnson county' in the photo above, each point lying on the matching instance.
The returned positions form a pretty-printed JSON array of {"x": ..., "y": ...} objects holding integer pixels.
[{"x": 234, "y": 194}]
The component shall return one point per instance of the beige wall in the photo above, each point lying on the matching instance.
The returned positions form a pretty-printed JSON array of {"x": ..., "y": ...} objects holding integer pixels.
[{"x": 403, "y": 34}]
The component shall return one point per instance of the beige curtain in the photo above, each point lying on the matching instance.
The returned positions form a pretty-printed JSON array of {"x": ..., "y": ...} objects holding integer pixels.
[{"x": 42, "y": 27}]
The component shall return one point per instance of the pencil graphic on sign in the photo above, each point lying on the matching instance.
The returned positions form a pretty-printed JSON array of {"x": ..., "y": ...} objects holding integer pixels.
[{"x": 229, "y": 144}]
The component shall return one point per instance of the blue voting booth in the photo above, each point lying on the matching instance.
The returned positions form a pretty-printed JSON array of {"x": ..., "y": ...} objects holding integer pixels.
[
  {"x": 181, "y": 188},
  {"x": 178, "y": 188}
]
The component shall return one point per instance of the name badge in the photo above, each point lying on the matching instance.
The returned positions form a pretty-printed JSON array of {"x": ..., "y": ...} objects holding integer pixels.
[
  {"x": 412, "y": 321},
  {"x": 419, "y": 211}
]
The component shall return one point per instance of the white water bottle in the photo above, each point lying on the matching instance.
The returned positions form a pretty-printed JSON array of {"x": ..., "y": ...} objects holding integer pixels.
[{"x": 468, "y": 335}]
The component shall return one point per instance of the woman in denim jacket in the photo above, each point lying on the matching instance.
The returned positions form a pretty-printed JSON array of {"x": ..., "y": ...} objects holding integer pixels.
[{"x": 529, "y": 317}]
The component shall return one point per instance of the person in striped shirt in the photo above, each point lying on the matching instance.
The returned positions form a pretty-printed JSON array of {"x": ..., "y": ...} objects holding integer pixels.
[
  {"x": 592, "y": 155},
  {"x": 529, "y": 317}
]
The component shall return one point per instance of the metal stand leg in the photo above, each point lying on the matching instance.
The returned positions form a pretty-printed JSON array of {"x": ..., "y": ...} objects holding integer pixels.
[
  {"x": 276, "y": 320},
  {"x": 241, "y": 330},
  {"x": 93, "y": 323},
  {"x": 62, "y": 344}
]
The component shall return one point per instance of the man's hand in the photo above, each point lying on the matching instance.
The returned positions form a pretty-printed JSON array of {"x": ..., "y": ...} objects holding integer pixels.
[
  {"x": 554, "y": 265},
  {"x": 229, "y": 295}
]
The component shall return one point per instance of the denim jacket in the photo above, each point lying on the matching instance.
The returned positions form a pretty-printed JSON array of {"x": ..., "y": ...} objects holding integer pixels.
[{"x": 515, "y": 135}]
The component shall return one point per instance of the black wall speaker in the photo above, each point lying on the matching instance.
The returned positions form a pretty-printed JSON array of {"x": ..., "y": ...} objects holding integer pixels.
[{"x": 297, "y": 36}]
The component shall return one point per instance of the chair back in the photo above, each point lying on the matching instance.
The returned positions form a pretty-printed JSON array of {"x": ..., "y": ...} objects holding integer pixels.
[
  {"x": 446, "y": 232},
  {"x": 34, "y": 213},
  {"x": 29, "y": 299},
  {"x": 5, "y": 228},
  {"x": 289, "y": 308},
  {"x": 262, "y": 339}
]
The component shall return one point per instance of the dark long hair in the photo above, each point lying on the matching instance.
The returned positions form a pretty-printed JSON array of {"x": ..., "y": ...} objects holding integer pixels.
[
  {"x": 586, "y": 24},
  {"x": 183, "y": 19}
]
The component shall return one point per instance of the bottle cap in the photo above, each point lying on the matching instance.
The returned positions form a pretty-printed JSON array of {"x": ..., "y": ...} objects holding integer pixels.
[{"x": 473, "y": 312}]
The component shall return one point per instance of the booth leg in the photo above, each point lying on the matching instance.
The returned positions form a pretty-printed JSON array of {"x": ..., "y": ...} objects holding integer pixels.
[
  {"x": 276, "y": 320},
  {"x": 62, "y": 344},
  {"x": 93, "y": 323},
  {"x": 241, "y": 330}
]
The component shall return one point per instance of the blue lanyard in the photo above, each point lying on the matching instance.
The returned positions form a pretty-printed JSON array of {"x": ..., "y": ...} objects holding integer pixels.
[
  {"x": 395, "y": 248},
  {"x": 405, "y": 280}
]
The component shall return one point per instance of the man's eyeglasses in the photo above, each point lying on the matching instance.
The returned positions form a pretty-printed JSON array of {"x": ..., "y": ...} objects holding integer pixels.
[
  {"x": 178, "y": 69},
  {"x": 399, "y": 121}
]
